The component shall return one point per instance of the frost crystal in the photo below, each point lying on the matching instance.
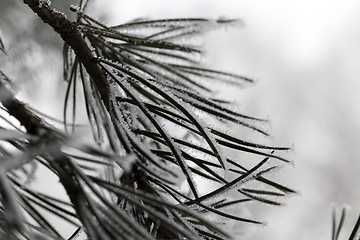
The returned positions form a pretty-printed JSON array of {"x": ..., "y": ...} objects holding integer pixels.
[
  {"x": 46, "y": 2},
  {"x": 74, "y": 8}
]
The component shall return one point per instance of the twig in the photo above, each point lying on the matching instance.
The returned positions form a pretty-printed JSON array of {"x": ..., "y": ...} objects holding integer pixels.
[
  {"x": 36, "y": 127},
  {"x": 72, "y": 36}
]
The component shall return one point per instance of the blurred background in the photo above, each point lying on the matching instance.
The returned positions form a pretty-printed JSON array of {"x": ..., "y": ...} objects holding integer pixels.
[{"x": 305, "y": 58}]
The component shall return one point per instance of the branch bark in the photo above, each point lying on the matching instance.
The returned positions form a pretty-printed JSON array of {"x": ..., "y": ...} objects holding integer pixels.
[
  {"x": 18, "y": 110},
  {"x": 71, "y": 35}
]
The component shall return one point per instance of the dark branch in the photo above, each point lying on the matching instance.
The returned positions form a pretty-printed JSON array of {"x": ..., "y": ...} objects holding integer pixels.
[
  {"x": 18, "y": 110},
  {"x": 71, "y": 35},
  {"x": 35, "y": 126}
]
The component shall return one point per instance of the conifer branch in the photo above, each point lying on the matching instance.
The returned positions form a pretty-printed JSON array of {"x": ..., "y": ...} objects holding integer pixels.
[
  {"x": 18, "y": 110},
  {"x": 72, "y": 36},
  {"x": 36, "y": 127},
  {"x": 129, "y": 94}
]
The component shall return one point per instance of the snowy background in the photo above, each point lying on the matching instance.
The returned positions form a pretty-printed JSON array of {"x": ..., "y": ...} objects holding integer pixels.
[{"x": 305, "y": 56}]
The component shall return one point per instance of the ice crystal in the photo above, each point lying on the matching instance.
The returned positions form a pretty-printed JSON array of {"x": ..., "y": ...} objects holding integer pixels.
[{"x": 74, "y": 8}]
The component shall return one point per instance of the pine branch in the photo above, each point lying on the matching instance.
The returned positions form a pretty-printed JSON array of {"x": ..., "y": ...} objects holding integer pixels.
[
  {"x": 122, "y": 78},
  {"x": 18, "y": 110},
  {"x": 71, "y": 35},
  {"x": 36, "y": 127}
]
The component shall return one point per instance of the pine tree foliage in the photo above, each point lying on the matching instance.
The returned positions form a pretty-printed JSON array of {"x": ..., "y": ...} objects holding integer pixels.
[
  {"x": 338, "y": 226},
  {"x": 144, "y": 90}
]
